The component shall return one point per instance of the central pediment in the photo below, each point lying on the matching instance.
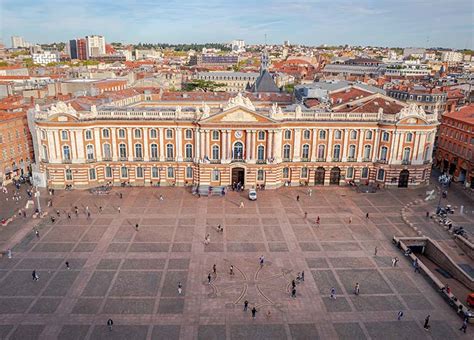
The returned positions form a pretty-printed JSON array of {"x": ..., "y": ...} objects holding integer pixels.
[{"x": 238, "y": 114}]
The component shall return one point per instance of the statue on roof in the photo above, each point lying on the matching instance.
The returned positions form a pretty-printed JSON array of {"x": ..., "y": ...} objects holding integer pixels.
[
  {"x": 206, "y": 110},
  {"x": 239, "y": 100}
]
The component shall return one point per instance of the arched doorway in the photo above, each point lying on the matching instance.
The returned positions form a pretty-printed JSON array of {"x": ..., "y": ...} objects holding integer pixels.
[
  {"x": 238, "y": 175},
  {"x": 238, "y": 151},
  {"x": 403, "y": 179},
  {"x": 335, "y": 176},
  {"x": 319, "y": 176}
]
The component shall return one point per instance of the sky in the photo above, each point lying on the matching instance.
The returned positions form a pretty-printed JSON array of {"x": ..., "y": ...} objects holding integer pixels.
[{"x": 394, "y": 23}]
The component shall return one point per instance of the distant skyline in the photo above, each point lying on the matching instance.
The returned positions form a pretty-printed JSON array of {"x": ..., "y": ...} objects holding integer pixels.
[{"x": 401, "y": 23}]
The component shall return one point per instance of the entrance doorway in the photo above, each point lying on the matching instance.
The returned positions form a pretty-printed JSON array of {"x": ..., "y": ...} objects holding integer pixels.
[
  {"x": 238, "y": 175},
  {"x": 335, "y": 176},
  {"x": 319, "y": 176},
  {"x": 403, "y": 179}
]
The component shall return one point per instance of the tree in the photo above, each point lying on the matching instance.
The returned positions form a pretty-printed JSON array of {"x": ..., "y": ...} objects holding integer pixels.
[
  {"x": 3, "y": 63},
  {"x": 203, "y": 85}
]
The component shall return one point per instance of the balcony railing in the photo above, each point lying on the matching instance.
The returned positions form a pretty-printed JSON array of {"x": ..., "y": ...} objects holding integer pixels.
[
  {"x": 365, "y": 159},
  {"x": 215, "y": 161},
  {"x": 336, "y": 159},
  {"x": 351, "y": 159},
  {"x": 137, "y": 159},
  {"x": 261, "y": 161},
  {"x": 305, "y": 159},
  {"x": 123, "y": 159},
  {"x": 107, "y": 159},
  {"x": 90, "y": 160},
  {"x": 238, "y": 160},
  {"x": 169, "y": 159},
  {"x": 382, "y": 161},
  {"x": 320, "y": 159},
  {"x": 428, "y": 161},
  {"x": 406, "y": 162},
  {"x": 67, "y": 161},
  {"x": 44, "y": 160},
  {"x": 154, "y": 159},
  {"x": 286, "y": 159},
  {"x": 188, "y": 159}
]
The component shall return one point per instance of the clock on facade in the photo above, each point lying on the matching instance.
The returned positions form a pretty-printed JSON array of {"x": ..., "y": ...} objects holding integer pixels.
[{"x": 238, "y": 134}]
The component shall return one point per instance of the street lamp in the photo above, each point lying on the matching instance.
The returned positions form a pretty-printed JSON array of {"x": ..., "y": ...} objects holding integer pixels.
[
  {"x": 443, "y": 180},
  {"x": 37, "y": 195}
]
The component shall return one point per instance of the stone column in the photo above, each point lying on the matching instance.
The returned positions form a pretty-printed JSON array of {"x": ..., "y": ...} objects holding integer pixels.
[
  {"x": 162, "y": 144},
  {"x": 277, "y": 151},
  {"x": 360, "y": 147},
  {"x": 248, "y": 147},
  {"x": 179, "y": 144},
  {"x": 97, "y": 145},
  {"x": 113, "y": 132},
  {"x": 208, "y": 144},
  {"x": 329, "y": 150},
  {"x": 229, "y": 144},
  {"x": 73, "y": 146},
  {"x": 202, "y": 137},
  {"x": 375, "y": 152},
  {"x": 197, "y": 146},
  {"x": 131, "y": 149},
  {"x": 224, "y": 145},
  {"x": 314, "y": 145},
  {"x": 394, "y": 147},
  {"x": 270, "y": 134},
  {"x": 346, "y": 145},
  {"x": 254, "y": 144},
  {"x": 146, "y": 146},
  {"x": 297, "y": 146}
]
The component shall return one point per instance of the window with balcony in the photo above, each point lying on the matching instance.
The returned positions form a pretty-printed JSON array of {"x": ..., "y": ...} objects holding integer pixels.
[
  {"x": 305, "y": 152},
  {"x": 286, "y": 151},
  {"x": 66, "y": 153},
  {"x": 138, "y": 151},
  {"x": 215, "y": 152},
  {"x": 90, "y": 152},
  {"x": 352, "y": 152},
  {"x": 383, "y": 153},
  {"x": 367, "y": 152},
  {"x": 122, "y": 150},
  {"x": 188, "y": 152},
  {"x": 406, "y": 155},
  {"x": 154, "y": 151},
  {"x": 336, "y": 155},
  {"x": 321, "y": 151},
  {"x": 260, "y": 153},
  {"x": 169, "y": 151}
]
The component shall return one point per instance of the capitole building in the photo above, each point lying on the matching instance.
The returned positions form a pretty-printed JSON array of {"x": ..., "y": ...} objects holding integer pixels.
[{"x": 217, "y": 139}]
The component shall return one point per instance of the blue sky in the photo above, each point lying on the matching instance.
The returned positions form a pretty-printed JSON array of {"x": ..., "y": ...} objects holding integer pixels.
[{"x": 445, "y": 23}]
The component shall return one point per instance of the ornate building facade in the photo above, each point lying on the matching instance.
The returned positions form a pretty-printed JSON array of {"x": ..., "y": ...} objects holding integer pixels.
[{"x": 144, "y": 141}]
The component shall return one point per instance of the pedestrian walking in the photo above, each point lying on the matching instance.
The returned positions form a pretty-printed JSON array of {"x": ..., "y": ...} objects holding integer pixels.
[
  {"x": 110, "y": 323},
  {"x": 416, "y": 266},
  {"x": 58, "y": 213},
  {"x": 396, "y": 261},
  {"x": 69, "y": 215},
  {"x": 76, "y": 211},
  {"x": 100, "y": 208},
  {"x": 302, "y": 276},
  {"x": 35, "y": 275},
  {"x": 121, "y": 196},
  {"x": 297, "y": 198},
  {"x": 88, "y": 215},
  {"x": 293, "y": 293},
  {"x": 367, "y": 216},
  {"x": 241, "y": 204},
  {"x": 464, "y": 325},
  {"x": 119, "y": 209},
  {"x": 254, "y": 312},
  {"x": 357, "y": 289},
  {"x": 136, "y": 227},
  {"x": 161, "y": 198},
  {"x": 427, "y": 214},
  {"x": 214, "y": 269},
  {"x": 24, "y": 213},
  {"x": 293, "y": 283},
  {"x": 310, "y": 192},
  {"x": 209, "y": 278},
  {"x": 400, "y": 315},
  {"x": 37, "y": 233},
  {"x": 67, "y": 265},
  {"x": 262, "y": 260},
  {"x": 393, "y": 262},
  {"x": 246, "y": 305},
  {"x": 231, "y": 270},
  {"x": 350, "y": 220},
  {"x": 180, "y": 288},
  {"x": 427, "y": 326},
  {"x": 305, "y": 214},
  {"x": 375, "y": 251},
  {"x": 318, "y": 220}
]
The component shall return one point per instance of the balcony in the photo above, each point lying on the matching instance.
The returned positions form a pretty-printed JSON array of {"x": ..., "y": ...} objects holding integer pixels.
[
  {"x": 305, "y": 159},
  {"x": 382, "y": 161},
  {"x": 138, "y": 159},
  {"x": 169, "y": 159},
  {"x": 336, "y": 159},
  {"x": 366, "y": 159},
  {"x": 154, "y": 159},
  {"x": 91, "y": 160},
  {"x": 44, "y": 160},
  {"x": 238, "y": 160},
  {"x": 123, "y": 159},
  {"x": 261, "y": 161},
  {"x": 107, "y": 159},
  {"x": 428, "y": 161},
  {"x": 188, "y": 159},
  {"x": 320, "y": 159},
  {"x": 406, "y": 162},
  {"x": 286, "y": 159},
  {"x": 351, "y": 159},
  {"x": 67, "y": 161},
  {"x": 215, "y": 161}
]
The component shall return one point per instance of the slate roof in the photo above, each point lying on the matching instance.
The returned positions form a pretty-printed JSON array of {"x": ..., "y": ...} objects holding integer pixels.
[{"x": 265, "y": 83}]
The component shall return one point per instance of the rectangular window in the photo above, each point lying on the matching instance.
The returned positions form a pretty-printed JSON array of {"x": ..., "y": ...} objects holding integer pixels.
[
  {"x": 365, "y": 173},
  {"x": 68, "y": 175},
  {"x": 286, "y": 172},
  {"x": 92, "y": 174},
  {"x": 88, "y": 134},
  {"x": 189, "y": 172},
  {"x": 169, "y": 133},
  {"x": 154, "y": 172},
  {"x": 124, "y": 172},
  {"x": 105, "y": 133},
  {"x": 170, "y": 172},
  {"x": 215, "y": 135},
  {"x": 188, "y": 134},
  {"x": 350, "y": 172},
  {"x": 304, "y": 172},
  {"x": 140, "y": 172},
  {"x": 215, "y": 175},
  {"x": 64, "y": 135},
  {"x": 108, "y": 172}
]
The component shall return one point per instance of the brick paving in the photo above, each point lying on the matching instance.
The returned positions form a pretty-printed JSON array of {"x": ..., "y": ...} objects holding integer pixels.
[{"x": 132, "y": 275}]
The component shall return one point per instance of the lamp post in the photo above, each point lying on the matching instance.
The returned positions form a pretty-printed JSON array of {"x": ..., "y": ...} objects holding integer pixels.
[
  {"x": 443, "y": 180},
  {"x": 37, "y": 195}
]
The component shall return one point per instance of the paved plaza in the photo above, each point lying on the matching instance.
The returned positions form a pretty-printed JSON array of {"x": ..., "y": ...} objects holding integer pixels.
[{"x": 131, "y": 276}]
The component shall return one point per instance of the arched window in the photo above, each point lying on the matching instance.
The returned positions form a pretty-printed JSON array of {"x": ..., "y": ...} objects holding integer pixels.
[
  {"x": 169, "y": 151},
  {"x": 350, "y": 172},
  {"x": 107, "y": 150},
  {"x": 368, "y": 134},
  {"x": 261, "y": 135},
  {"x": 409, "y": 137},
  {"x": 304, "y": 172},
  {"x": 88, "y": 134},
  {"x": 188, "y": 151},
  {"x": 383, "y": 153},
  {"x": 169, "y": 133},
  {"x": 260, "y": 152},
  {"x": 105, "y": 133},
  {"x": 238, "y": 150},
  {"x": 153, "y": 133},
  {"x": 286, "y": 172},
  {"x": 66, "y": 152},
  {"x": 188, "y": 134},
  {"x": 154, "y": 151},
  {"x": 367, "y": 151},
  {"x": 337, "y": 134},
  {"x": 321, "y": 151},
  {"x": 287, "y": 134},
  {"x": 336, "y": 154},
  {"x": 306, "y": 134},
  {"x": 322, "y": 134},
  {"x": 215, "y": 152},
  {"x": 352, "y": 152},
  {"x": 215, "y": 135},
  {"x": 138, "y": 150},
  {"x": 122, "y": 150},
  {"x": 305, "y": 153},
  {"x": 121, "y": 133},
  {"x": 286, "y": 151},
  {"x": 406, "y": 154},
  {"x": 385, "y": 136},
  {"x": 138, "y": 133},
  {"x": 353, "y": 134},
  {"x": 90, "y": 151},
  {"x": 381, "y": 175}
]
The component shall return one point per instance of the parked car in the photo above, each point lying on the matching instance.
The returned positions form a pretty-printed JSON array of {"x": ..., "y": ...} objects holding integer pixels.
[{"x": 252, "y": 195}]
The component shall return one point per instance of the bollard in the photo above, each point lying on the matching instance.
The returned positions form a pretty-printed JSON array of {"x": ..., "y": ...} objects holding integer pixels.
[
  {"x": 461, "y": 210},
  {"x": 9, "y": 253}
]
